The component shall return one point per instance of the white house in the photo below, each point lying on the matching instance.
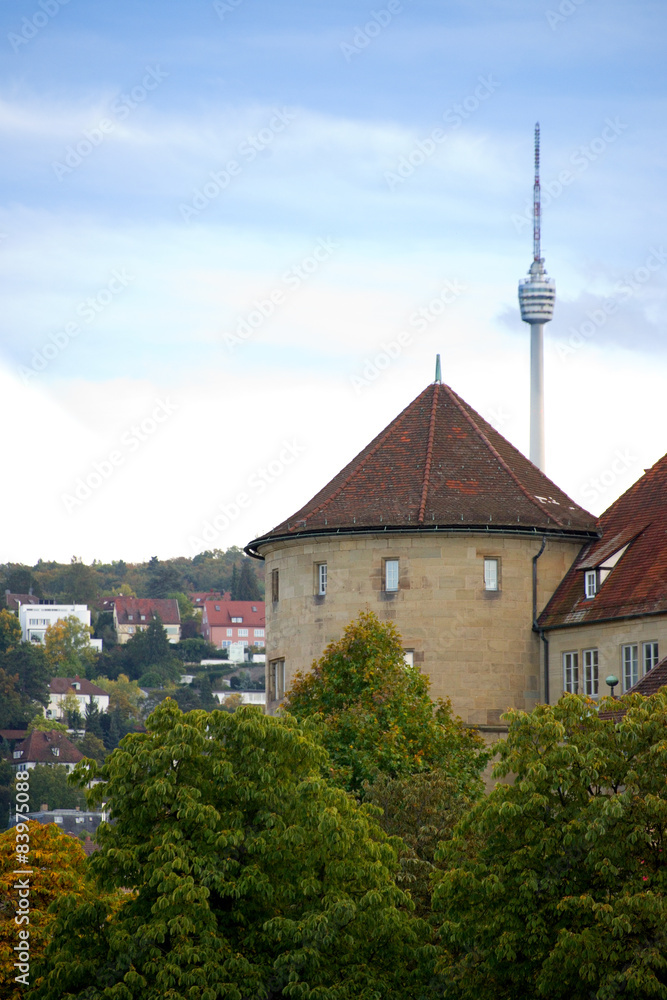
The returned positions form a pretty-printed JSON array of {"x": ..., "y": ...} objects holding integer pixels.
[
  {"x": 36, "y": 618},
  {"x": 81, "y": 689}
]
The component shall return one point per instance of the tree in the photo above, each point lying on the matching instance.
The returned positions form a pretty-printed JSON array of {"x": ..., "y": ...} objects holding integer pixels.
[
  {"x": 376, "y": 714},
  {"x": 124, "y": 695},
  {"x": 93, "y": 747},
  {"x": 248, "y": 874},
  {"x": 247, "y": 586},
  {"x": 67, "y": 647},
  {"x": 81, "y": 583},
  {"x": 234, "y": 586},
  {"x": 48, "y": 785},
  {"x": 24, "y": 679},
  {"x": 555, "y": 884},
  {"x": 57, "y": 863},
  {"x": 93, "y": 719},
  {"x": 69, "y": 707},
  {"x": 162, "y": 578},
  {"x": 44, "y": 725},
  {"x": 10, "y": 631}
]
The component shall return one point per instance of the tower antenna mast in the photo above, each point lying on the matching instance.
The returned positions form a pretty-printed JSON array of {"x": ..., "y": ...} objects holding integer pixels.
[{"x": 537, "y": 210}]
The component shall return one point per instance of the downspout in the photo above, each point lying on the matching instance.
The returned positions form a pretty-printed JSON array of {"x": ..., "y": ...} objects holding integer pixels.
[{"x": 536, "y": 628}]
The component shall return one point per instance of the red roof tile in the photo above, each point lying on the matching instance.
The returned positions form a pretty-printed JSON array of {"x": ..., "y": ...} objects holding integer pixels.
[
  {"x": 166, "y": 608},
  {"x": 39, "y": 746},
  {"x": 438, "y": 464},
  {"x": 221, "y": 613},
  {"x": 652, "y": 681},
  {"x": 637, "y": 585}
]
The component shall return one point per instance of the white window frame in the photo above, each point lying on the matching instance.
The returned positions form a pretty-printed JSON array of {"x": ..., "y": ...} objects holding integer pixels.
[
  {"x": 409, "y": 657},
  {"x": 630, "y": 661},
  {"x": 259, "y": 632},
  {"x": 591, "y": 672},
  {"x": 491, "y": 573},
  {"x": 650, "y": 656},
  {"x": 571, "y": 672},
  {"x": 321, "y": 579},
  {"x": 391, "y": 575},
  {"x": 590, "y": 583},
  {"x": 242, "y": 632}
]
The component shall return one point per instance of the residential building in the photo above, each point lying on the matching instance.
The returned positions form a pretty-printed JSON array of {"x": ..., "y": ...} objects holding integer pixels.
[
  {"x": 78, "y": 687},
  {"x": 608, "y": 617},
  {"x": 199, "y": 598},
  {"x": 36, "y": 618},
  {"x": 444, "y": 528},
  {"x": 228, "y": 622},
  {"x": 45, "y": 748},
  {"x": 73, "y": 822},
  {"x": 133, "y": 614}
]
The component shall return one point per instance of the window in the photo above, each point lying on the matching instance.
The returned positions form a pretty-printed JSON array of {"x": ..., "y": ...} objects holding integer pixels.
[
  {"x": 130, "y": 629},
  {"x": 650, "y": 656},
  {"x": 409, "y": 657},
  {"x": 590, "y": 583},
  {"x": 571, "y": 673},
  {"x": 276, "y": 679},
  {"x": 17, "y": 754},
  {"x": 321, "y": 579},
  {"x": 237, "y": 620},
  {"x": 491, "y": 574},
  {"x": 254, "y": 607},
  {"x": 217, "y": 607},
  {"x": 55, "y": 751},
  {"x": 130, "y": 618},
  {"x": 391, "y": 574},
  {"x": 260, "y": 642},
  {"x": 591, "y": 672},
  {"x": 259, "y": 631},
  {"x": 242, "y": 631},
  {"x": 230, "y": 631},
  {"x": 275, "y": 585},
  {"x": 630, "y": 666}
]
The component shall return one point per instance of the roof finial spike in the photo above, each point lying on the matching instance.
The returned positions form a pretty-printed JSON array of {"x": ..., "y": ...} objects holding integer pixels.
[{"x": 438, "y": 373}]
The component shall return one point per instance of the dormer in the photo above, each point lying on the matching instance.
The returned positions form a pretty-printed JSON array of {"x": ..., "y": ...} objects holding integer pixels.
[
  {"x": 130, "y": 618},
  {"x": 76, "y": 685},
  {"x": 594, "y": 578},
  {"x": 55, "y": 751}
]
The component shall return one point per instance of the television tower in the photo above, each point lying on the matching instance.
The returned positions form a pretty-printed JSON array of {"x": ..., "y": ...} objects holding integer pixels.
[{"x": 537, "y": 295}]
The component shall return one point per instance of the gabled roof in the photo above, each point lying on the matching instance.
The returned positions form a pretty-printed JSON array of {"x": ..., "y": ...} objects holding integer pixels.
[
  {"x": 150, "y": 607},
  {"x": 438, "y": 464},
  {"x": 200, "y": 597},
  {"x": 637, "y": 585},
  {"x": 651, "y": 682},
  {"x": 39, "y": 748},
  {"x": 65, "y": 685},
  {"x": 221, "y": 613}
]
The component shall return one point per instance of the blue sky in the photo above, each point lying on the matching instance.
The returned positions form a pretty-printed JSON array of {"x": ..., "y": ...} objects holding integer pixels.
[{"x": 216, "y": 217}]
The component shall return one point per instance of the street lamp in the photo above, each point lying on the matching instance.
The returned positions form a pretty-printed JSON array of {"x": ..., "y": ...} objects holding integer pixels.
[{"x": 612, "y": 682}]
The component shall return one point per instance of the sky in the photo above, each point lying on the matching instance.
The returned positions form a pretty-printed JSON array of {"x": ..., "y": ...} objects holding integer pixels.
[{"x": 234, "y": 235}]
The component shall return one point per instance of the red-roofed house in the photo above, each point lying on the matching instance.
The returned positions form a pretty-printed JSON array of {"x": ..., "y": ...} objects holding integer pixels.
[
  {"x": 443, "y": 527},
  {"x": 199, "y": 598},
  {"x": 132, "y": 614},
  {"x": 609, "y": 614},
  {"x": 225, "y": 622},
  {"x": 45, "y": 748}
]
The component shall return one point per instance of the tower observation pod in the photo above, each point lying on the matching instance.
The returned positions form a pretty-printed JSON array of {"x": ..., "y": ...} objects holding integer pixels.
[{"x": 537, "y": 296}]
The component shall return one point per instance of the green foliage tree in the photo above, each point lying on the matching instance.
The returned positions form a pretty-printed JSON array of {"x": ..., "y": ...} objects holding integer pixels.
[
  {"x": 247, "y": 587},
  {"x": 93, "y": 747},
  {"x": 69, "y": 706},
  {"x": 162, "y": 578},
  {"x": 49, "y": 786},
  {"x": 44, "y": 725},
  {"x": 24, "y": 679},
  {"x": 377, "y": 715},
  {"x": 249, "y": 874},
  {"x": 93, "y": 719},
  {"x": 67, "y": 647},
  {"x": 556, "y": 884},
  {"x": 124, "y": 695},
  {"x": 80, "y": 583},
  {"x": 10, "y": 631}
]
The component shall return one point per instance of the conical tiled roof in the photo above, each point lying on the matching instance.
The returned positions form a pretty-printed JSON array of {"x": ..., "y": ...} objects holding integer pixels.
[
  {"x": 439, "y": 464},
  {"x": 637, "y": 585}
]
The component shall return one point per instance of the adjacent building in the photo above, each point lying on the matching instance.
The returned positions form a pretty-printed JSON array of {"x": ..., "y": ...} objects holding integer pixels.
[
  {"x": 45, "y": 748},
  {"x": 608, "y": 617},
  {"x": 36, "y": 618},
  {"x": 133, "y": 614}
]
